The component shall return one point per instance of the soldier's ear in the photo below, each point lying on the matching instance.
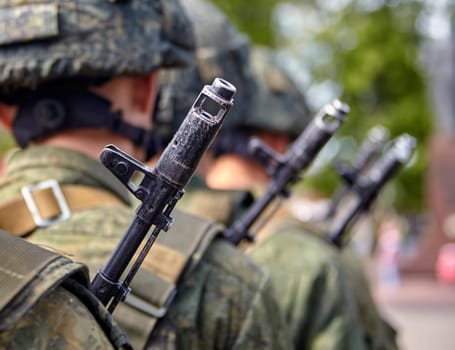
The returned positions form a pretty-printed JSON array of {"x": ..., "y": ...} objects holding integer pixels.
[
  {"x": 145, "y": 91},
  {"x": 7, "y": 114}
]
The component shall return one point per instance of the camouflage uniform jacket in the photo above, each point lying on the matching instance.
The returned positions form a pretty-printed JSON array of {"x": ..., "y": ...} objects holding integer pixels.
[
  {"x": 379, "y": 334},
  {"x": 306, "y": 275},
  {"x": 226, "y": 301},
  {"x": 41, "y": 328}
]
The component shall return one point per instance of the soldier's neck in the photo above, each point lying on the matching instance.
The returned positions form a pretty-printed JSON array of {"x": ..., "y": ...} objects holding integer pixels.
[{"x": 92, "y": 141}]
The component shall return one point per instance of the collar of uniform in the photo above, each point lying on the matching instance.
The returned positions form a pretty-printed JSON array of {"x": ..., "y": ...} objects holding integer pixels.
[
  {"x": 39, "y": 163},
  {"x": 215, "y": 205}
]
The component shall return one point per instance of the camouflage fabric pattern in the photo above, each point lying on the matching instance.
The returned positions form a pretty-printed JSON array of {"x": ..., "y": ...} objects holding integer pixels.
[
  {"x": 226, "y": 282},
  {"x": 58, "y": 321},
  {"x": 279, "y": 105},
  {"x": 267, "y": 98},
  {"x": 221, "y": 51},
  {"x": 44, "y": 25},
  {"x": 306, "y": 275},
  {"x": 225, "y": 302},
  {"x": 77, "y": 38},
  {"x": 379, "y": 334},
  {"x": 31, "y": 297}
]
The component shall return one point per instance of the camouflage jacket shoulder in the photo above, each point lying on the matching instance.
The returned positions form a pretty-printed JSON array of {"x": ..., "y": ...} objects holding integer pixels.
[
  {"x": 305, "y": 272},
  {"x": 313, "y": 294},
  {"x": 379, "y": 334},
  {"x": 45, "y": 302}
]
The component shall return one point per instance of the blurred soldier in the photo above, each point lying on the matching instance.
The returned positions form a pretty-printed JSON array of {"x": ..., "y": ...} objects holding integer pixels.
[
  {"x": 305, "y": 270},
  {"x": 294, "y": 256},
  {"x": 379, "y": 334},
  {"x": 74, "y": 77}
]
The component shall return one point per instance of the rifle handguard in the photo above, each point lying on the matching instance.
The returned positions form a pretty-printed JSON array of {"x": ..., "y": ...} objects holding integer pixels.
[
  {"x": 368, "y": 186},
  {"x": 369, "y": 150}
]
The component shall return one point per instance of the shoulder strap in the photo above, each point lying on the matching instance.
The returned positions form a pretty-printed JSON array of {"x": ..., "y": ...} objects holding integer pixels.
[
  {"x": 176, "y": 253},
  {"x": 28, "y": 273}
]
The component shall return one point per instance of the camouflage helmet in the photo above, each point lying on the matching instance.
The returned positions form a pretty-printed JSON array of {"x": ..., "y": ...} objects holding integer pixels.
[
  {"x": 266, "y": 99},
  {"x": 43, "y": 41},
  {"x": 221, "y": 51},
  {"x": 278, "y": 105}
]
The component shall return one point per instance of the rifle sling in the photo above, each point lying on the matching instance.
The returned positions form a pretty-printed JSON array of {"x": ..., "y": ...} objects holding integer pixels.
[
  {"x": 16, "y": 218},
  {"x": 174, "y": 255}
]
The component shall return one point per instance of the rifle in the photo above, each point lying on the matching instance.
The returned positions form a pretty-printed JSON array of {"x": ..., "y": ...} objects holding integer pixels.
[
  {"x": 285, "y": 169},
  {"x": 160, "y": 188},
  {"x": 369, "y": 150},
  {"x": 368, "y": 186}
]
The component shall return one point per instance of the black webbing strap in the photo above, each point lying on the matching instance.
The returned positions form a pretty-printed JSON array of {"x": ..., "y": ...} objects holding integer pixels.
[{"x": 53, "y": 109}]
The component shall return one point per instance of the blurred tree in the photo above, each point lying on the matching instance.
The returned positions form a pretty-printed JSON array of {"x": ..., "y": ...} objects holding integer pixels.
[
  {"x": 253, "y": 17},
  {"x": 381, "y": 80}
]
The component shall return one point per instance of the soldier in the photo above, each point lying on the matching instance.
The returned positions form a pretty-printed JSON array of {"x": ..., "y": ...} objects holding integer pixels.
[
  {"x": 305, "y": 271},
  {"x": 379, "y": 334},
  {"x": 73, "y": 77}
]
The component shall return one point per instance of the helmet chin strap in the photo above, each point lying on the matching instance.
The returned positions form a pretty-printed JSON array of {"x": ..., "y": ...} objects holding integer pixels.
[{"x": 50, "y": 111}]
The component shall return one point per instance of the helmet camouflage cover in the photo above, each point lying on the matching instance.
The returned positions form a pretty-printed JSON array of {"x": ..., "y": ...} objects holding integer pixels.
[
  {"x": 42, "y": 41},
  {"x": 221, "y": 51},
  {"x": 278, "y": 105},
  {"x": 266, "y": 98}
]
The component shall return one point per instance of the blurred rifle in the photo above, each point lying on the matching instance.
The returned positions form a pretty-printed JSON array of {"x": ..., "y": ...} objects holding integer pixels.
[
  {"x": 286, "y": 169},
  {"x": 369, "y": 150},
  {"x": 367, "y": 186},
  {"x": 160, "y": 187}
]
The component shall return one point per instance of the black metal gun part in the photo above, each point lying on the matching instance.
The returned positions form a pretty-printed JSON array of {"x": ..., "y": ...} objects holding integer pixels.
[
  {"x": 369, "y": 184},
  {"x": 160, "y": 188},
  {"x": 369, "y": 150}
]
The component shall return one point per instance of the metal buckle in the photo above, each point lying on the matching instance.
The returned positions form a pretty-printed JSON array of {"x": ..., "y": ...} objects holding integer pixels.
[
  {"x": 149, "y": 308},
  {"x": 27, "y": 193}
]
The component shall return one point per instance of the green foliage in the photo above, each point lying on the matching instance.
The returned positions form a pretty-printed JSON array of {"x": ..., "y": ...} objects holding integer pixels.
[
  {"x": 381, "y": 82},
  {"x": 325, "y": 182},
  {"x": 252, "y": 17}
]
